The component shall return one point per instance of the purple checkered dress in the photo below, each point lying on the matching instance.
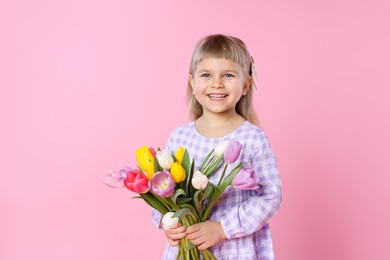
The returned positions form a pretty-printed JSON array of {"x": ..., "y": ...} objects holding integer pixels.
[{"x": 244, "y": 215}]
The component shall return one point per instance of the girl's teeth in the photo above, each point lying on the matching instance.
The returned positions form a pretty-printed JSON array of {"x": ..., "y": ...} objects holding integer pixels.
[{"x": 217, "y": 96}]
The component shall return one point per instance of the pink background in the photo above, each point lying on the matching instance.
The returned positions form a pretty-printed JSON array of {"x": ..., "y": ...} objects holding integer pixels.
[{"x": 85, "y": 83}]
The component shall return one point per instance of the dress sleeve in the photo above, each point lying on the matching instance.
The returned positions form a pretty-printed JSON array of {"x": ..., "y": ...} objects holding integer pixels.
[
  {"x": 156, "y": 218},
  {"x": 252, "y": 214}
]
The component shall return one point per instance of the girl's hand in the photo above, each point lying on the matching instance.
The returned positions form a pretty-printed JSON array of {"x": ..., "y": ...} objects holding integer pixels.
[
  {"x": 205, "y": 234},
  {"x": 175, "y": 233}
]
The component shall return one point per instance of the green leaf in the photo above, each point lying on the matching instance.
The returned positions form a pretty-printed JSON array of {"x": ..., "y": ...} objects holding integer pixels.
[
  {"x": 181, "y": 201},
  {"x": 190, "y": 246},
  {"x": 197, "y": 201},
  {"x": 190, "y": 189},
  {"x": 209, "y": 191},
  {"x": 206, "y": 160},
  {"x": 213, "y": 166},
  {"x": 201, "y": 195},
  {"x": 181, "y": 212},
  {"x": 178, "y": 192},
  {"x": 150, "y": 199},
  {"x": 193, "y": 213},
  {"x": 157, "y": 167},
  {"x": 174, "y": 157},
  {"x": 229, "y": 178},
  {"x": 186, "y": 163},
  {"x": 220, "y": 189}
]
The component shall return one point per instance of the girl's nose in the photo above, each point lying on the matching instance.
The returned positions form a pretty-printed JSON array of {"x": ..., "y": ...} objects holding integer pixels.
[{"x": 218, "y": 83}]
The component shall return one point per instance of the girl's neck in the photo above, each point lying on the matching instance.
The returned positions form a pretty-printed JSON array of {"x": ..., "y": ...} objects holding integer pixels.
[{"x": 218, "y": 126}]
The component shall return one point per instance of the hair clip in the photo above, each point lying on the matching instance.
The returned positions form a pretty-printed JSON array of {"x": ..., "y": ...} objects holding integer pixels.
[{"x": 253, "y": 73}]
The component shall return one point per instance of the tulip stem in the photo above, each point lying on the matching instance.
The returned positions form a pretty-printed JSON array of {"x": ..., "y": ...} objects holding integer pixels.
[
  {"x": 208, "y": 164},
  {"x": 162, "y": 200},
  {"x": 208, "y": 254},
  {"x": 223, "y": 174}
]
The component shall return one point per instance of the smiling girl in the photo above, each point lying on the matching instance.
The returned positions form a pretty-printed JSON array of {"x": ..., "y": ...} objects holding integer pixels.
[{"x": 220, "y": 88}]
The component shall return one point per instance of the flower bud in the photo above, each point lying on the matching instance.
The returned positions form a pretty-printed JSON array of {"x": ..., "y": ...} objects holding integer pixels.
[
  {"x": 164, "y": 159},
  {"x": 199, "y": 180},
  {"x": 232, "y": 152},
  {"x": 145, "y": 160},
  {"x": 178, "y": 173},
  {"x": 168, "y": 221},
  {"x": 114, "y": 179},
  {"x": 180, "y": 154},
  {"x": 221, "y": 148},
  {"x": 245, "y": 180}
]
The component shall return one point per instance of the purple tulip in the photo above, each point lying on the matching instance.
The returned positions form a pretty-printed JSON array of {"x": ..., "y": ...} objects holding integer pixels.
[
  {"x": 232, "y": 152},
  {"x": 245, "y": 180},
  {"x": 162, "y": 184}
]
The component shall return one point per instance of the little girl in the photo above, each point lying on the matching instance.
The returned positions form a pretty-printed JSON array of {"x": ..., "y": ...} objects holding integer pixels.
[{"x": 220, "y": 88}]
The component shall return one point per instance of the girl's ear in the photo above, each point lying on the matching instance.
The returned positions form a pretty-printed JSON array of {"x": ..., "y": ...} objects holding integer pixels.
[
  {"x": 247, "y": 84},
  {"x": 191, "y": 81}
]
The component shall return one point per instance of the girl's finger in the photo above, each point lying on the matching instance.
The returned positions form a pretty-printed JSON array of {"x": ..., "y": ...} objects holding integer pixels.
[{"x": 173, "y": 242}]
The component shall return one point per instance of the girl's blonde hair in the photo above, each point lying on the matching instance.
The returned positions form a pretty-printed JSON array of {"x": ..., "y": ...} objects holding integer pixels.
[{"x": 223, "y": 47}]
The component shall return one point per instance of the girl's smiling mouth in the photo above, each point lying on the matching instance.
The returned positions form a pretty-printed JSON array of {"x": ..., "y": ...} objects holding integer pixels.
[{"x": 217, "y": 96}]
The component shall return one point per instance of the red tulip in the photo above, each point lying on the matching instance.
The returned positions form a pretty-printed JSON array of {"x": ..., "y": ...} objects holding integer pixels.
[
  {"x": 136, "y": 181},
  {"x": 152, "y": 151}
]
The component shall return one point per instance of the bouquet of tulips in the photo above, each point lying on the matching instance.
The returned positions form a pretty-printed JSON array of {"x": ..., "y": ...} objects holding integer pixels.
[{"x": 169, "y": 183}]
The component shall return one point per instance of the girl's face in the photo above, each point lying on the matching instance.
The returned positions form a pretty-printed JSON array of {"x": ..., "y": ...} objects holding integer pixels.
[{"x": 218, "y": 85}]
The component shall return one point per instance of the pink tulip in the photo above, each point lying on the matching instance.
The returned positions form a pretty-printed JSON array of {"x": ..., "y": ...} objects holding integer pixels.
[
  {"x": 245, "y": 180},
  {"x": 116, "y": 179},
  {"x": 162, "y": 184},
  {"x": 136, "y": 181},
  {"x": 232, "y": 152}
]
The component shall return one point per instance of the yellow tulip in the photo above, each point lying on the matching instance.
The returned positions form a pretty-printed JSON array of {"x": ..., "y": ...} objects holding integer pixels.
[
  {"x": 178, "y": 173},
  {"x": 145, "y": 160},
  {"x": 180, "y": 154}
]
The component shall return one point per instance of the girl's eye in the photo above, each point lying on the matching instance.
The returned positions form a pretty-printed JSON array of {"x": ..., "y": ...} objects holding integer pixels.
[
  {"x": 205, "y": 75},
  {"x": 228, "y": 75}
]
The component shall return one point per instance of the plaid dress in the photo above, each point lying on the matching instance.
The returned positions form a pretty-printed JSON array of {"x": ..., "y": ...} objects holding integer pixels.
[{"x": 244, "y": 215}]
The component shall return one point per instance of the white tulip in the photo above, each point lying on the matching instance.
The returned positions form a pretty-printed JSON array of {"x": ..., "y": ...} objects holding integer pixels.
[
  {"x": 164, "y": 159},
  {"x": 221, "y": 148},
  {"x": 199, "y": 180},
  {"x": 168, "y": 221}
]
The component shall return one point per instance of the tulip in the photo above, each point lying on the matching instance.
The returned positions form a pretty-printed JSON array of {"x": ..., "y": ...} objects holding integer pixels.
[
  {"x": 145, "y": 160},
  {"x": 115, "y": 179},
  {"x": 232, "y": 152},
  {"x": 152, "y": 151},
  {"x": 136, "y": 181},
  {"x": 180, "y": 154},
  {"x": 164, "y": 159},
  {"x": 245, "y": 179},
  {"x": 221, "y": 148},
  {"x": 168, "y": 221},
  {"x": 178, "y": 173},
  {"x": 199, "y": 180},
  {"x": 162, "y": 184}
]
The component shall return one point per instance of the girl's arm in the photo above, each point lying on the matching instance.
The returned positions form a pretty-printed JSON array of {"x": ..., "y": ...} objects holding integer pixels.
[
  {"x": 156, "y": 218},
  {"x": 254, "y": 213}
]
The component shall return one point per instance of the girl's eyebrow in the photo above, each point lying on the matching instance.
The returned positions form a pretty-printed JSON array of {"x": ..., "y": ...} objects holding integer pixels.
[{"x": 224, "y": 71}]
